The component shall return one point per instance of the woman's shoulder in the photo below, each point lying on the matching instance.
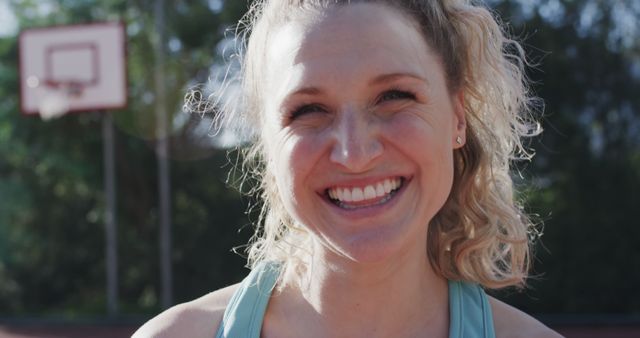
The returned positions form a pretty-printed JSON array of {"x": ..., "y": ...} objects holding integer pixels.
[
  {"x": 511, "y": 322},
  {"x": 198, "y": 318}
]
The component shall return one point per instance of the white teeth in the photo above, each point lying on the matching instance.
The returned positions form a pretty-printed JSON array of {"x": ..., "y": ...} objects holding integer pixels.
[
  {"x": 387, "y": 186},
  {"x": 369, "y": 192},
  {"x": 339, "y": 194},
  {"x": 357, "y": 195},
  {"x": 347, "y": 195}
]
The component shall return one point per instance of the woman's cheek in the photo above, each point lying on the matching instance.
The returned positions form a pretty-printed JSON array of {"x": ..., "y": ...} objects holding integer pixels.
[
  {"x": 410, "y": 126},
  {"x": 296, "y": 155}
]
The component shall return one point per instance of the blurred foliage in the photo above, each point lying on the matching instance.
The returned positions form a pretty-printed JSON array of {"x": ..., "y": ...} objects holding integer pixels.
[
  {"x": 51, "y": 175},
  {"x": 585, "y": 179},
  {"x": 584, "y": 182}
]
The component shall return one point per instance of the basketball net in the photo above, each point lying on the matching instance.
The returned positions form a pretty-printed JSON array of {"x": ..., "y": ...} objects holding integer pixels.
[{"x": 56, "y": 99}]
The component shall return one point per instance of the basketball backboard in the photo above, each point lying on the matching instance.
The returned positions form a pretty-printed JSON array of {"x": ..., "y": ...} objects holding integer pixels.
[{"x": 72, "y": 69}]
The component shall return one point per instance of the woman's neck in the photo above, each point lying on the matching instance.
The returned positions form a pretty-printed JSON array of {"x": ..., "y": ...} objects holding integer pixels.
[{"x": 400, "y": 296}]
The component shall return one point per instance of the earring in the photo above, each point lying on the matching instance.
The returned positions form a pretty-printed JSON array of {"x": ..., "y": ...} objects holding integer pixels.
[{"x": 459, "y": 140}]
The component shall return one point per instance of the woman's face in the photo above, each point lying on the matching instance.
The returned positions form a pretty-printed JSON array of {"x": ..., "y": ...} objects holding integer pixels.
[{"x": 360, "y": 129}]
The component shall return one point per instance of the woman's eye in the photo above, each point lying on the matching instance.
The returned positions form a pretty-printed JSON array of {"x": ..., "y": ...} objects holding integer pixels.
[
  {"x": 305, "y": 109},
  {"x": 396, "y": 95}
]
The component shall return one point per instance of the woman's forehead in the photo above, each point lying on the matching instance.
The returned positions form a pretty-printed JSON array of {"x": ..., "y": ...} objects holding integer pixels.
[
  {"x": 371, "y": 38},
  {"x": 317, "y": 31},
  {"x": 354, "y": 21}
]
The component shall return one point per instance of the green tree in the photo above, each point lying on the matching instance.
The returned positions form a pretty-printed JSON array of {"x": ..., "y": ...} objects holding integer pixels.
[
  {"x": 585, "y": 177},
  {"x": 51, "y": 214}
]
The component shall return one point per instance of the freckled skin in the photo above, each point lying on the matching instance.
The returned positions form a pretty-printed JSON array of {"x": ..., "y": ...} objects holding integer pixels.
[{"x": 354, "y": 136}]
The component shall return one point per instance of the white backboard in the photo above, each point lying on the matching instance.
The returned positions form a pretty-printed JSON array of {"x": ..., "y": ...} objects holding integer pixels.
[{"x": 73, "y": 68}]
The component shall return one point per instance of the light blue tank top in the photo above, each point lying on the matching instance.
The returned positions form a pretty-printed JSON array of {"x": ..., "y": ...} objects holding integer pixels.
[{"x": 469, "y": 310}]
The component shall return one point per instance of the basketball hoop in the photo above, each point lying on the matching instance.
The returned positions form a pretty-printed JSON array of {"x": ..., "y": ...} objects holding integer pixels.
[
  {"x": 73, "y": 89},
  {"x": 78, "y": 68}
]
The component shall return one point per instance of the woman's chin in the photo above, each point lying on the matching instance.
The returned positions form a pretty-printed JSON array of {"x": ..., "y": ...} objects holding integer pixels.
[{"x": 375, "y": 248}]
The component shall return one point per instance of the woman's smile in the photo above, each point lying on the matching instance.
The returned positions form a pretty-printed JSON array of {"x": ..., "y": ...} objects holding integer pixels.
[{"x": 365, "y": 196}]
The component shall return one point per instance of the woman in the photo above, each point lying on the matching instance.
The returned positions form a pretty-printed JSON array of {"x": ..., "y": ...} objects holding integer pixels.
[{"x": 384, "y": 132}]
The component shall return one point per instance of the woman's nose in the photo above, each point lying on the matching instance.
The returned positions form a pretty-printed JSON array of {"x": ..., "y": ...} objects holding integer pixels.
[{"x": 356, "y": 143}]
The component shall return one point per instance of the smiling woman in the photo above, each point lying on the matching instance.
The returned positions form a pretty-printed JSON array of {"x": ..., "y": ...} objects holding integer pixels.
[{"x": 384, "y": 133}]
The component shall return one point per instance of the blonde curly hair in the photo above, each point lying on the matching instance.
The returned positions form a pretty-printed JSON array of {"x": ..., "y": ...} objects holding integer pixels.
[{"x": 480, "y": 234}]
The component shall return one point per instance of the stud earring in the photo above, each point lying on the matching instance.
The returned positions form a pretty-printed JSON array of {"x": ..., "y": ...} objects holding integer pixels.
[{"x": 459, "y": 140}]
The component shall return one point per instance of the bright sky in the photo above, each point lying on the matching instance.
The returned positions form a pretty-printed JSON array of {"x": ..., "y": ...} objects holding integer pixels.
[{"x": 8, "y": 22}]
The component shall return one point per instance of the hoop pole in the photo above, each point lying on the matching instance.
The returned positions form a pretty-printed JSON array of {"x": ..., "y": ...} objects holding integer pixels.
[
  {"x": 111, "y": 230},
  {"x": 162, "y": 153}
]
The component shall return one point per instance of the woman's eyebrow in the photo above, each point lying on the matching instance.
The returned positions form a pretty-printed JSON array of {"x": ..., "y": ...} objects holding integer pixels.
[
  {"x": 380, "y": 79},
  {"x": 384, "y": 78},
  {"x": 304, "y": 91},
  {"x": 307, "y": 91}
]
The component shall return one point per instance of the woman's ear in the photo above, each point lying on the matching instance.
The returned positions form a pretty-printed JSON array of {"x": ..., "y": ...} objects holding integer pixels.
[{"x": 459, "y": 127}]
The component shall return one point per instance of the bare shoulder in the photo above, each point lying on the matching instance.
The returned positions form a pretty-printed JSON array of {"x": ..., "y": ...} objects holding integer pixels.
[
  {"x": 198, "y": 318},
  {"x": 510, "y": 322}
]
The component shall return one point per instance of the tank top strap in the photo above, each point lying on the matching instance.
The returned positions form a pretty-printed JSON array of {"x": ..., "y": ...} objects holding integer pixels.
[
  {"x": 469, "y": 311},
  {"x": 245, "y": 312}
]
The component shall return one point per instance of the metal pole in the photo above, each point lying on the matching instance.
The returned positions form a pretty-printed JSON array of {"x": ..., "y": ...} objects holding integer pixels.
[
  {"x": 162, "y": 153},
  {"x": 111, "y": 234}
]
